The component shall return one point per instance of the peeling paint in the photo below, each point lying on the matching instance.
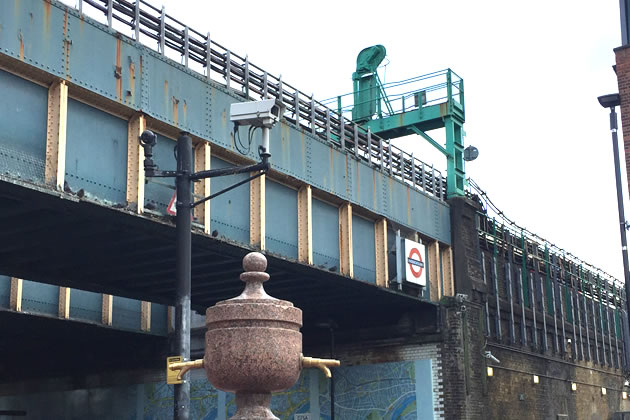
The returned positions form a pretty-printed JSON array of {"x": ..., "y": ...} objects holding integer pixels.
[
  {"x": 118, "y": 71},
  {"x": 67, "y": 43},
  {"x": 21, "y": 46},
  {"x": 46, "y": 15},
  {"x": 185, "y": 120},
  {"x": 175, "y": 107},
  {"x": 443, "y": 109},
  {"x": 132, "y": 80},
  {"x": 67, "y": 46}
]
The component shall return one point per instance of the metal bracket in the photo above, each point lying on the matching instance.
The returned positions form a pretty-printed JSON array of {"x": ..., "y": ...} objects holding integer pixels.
[{"x": 176, "y": 368}]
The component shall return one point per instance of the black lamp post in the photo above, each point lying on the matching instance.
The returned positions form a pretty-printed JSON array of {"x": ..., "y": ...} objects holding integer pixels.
[
  {"x": 611, "y": 101},
  {"x": 185, "y": 176}
]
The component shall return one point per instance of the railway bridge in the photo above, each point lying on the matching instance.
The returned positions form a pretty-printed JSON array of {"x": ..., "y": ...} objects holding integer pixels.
[{"x": 87, "y": 242}]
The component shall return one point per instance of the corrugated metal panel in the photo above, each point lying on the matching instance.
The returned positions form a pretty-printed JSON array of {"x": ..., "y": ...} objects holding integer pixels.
[
  {"x": 40, "y": 298},
  {"x": 229, "y": 212},
  {"x": 96, "y": 154},
  {"x": 23, "y": 121},
  {"x": 157, "y": 194},
  {"x": 281, "y": 219},
  {"x": 326, "y": 235},
  {"x": 363, "y": 249}
]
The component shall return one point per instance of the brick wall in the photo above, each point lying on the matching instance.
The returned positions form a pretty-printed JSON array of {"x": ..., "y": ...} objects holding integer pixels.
[
  {"x": 513, "y": 394},
  {"x": 622, "y": 56},
  {"x": 462, "y": 364},
  {"x": 510, "y": 392}
]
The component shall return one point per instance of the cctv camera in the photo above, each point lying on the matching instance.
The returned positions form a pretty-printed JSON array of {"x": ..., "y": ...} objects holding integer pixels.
[
  {"x": 489, "y": 355},
  {"x": 264, "y": 113}
]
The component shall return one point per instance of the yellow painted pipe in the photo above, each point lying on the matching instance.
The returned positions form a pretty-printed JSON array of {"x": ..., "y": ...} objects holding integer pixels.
[
  {"x": 322, "y": 364},
  {"x": 184, "y": 367}
]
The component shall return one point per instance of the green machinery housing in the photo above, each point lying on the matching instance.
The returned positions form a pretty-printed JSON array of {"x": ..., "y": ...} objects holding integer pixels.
[{"x": 412, "y": 106}]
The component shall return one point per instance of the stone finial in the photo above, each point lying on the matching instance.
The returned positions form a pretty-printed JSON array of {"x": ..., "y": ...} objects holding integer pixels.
[
  {"x": 254, "y": 261},
  {"x": 254, "y": 276}
]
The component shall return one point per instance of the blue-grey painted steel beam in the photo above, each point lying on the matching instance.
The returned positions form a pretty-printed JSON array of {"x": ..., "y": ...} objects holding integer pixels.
[{"x": 101, "y": 60}]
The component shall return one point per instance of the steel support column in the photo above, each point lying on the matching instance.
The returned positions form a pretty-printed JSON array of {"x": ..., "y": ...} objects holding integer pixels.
[{"x": 182, "y": 270}]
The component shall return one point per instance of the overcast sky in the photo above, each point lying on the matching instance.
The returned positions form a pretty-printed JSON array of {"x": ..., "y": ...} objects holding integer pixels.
[{"x": 532, "y": 71}]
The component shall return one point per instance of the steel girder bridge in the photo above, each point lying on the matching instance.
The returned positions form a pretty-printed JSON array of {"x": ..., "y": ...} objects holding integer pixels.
[{"x": 85, "y": 237}]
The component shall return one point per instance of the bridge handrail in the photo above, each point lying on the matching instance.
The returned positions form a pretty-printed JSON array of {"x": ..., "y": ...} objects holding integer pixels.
[
  {"x": 396, "y": 95},
  {"x": 301, "y": 110}
]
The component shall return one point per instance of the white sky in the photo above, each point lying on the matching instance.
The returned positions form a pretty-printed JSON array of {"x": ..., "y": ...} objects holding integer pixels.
[{"x": 533, "y": 71}]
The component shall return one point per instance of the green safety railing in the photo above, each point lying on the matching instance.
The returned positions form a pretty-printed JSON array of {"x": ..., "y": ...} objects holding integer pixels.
[{"x": 409, "y": 94}]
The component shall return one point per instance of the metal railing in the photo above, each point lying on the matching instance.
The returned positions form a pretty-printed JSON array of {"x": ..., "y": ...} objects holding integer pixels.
[
  {"x": 251, "y": 82},
  {"x": 409, "y": 94},
  {"x": 494, "y": 225}
]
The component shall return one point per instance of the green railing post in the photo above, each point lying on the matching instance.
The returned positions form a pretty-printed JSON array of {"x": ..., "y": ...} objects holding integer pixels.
[
  {"x": 525, "y": 283},
  {"x": 548, "y": 282},
  {"x": 449, "y": 91},
  {"x": 339, "y": 106},
  {"x": 461, "y": 94}
]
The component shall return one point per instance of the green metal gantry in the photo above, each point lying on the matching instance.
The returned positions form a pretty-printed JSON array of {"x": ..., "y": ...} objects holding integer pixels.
[{"x": 438, "y": 103}]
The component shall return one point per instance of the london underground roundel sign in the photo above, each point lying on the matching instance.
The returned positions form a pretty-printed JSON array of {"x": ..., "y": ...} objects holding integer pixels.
[{"x": 414, "y": 262}]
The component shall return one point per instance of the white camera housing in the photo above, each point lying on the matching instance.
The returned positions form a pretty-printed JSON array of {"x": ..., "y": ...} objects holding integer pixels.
[{"x": 263, "y": 113}]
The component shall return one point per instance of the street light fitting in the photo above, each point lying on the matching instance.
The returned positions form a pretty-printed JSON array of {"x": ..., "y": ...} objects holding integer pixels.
[
  {"x": 610, "y": 100},
  {"x": 148, "y": 138},
  {"x": 471, "y": 153}
]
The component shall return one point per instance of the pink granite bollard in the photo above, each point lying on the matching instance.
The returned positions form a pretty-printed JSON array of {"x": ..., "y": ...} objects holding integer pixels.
[{"x": 253, "y": 344}]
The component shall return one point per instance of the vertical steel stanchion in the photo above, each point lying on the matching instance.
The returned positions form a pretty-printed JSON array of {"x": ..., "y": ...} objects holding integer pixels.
[
  {"x": 183, "y": 267},
  {"x": 612, "y": 101}
]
